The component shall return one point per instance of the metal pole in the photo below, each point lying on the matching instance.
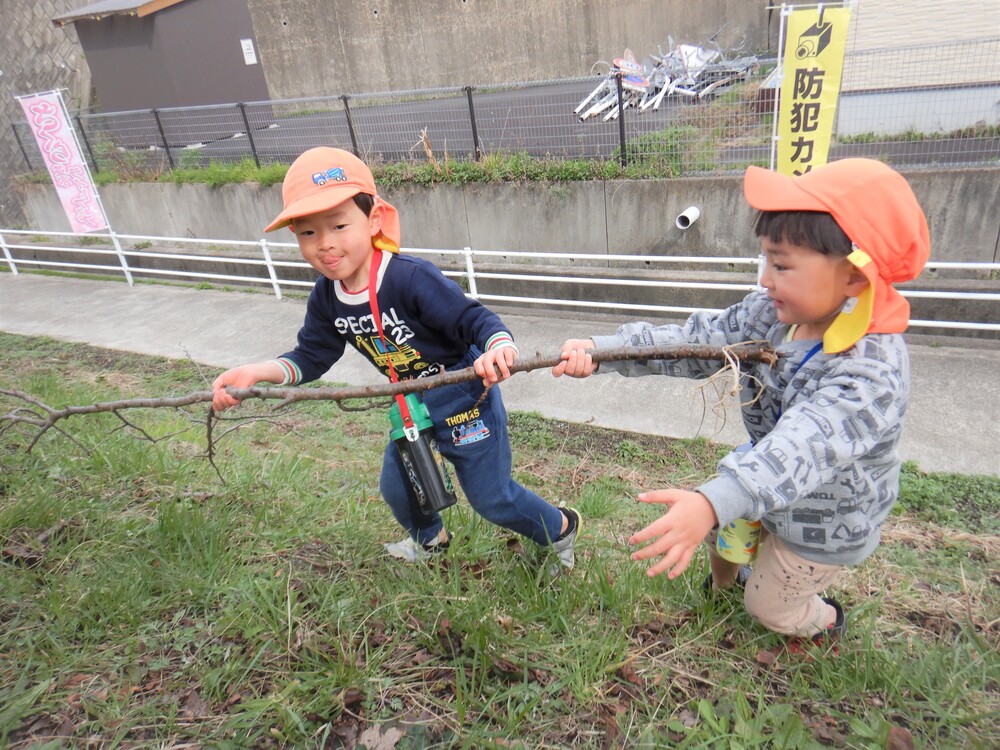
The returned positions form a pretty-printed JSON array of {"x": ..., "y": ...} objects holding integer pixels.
[
  {"x": 270, "y": 269},
  {"x": 470, "y": 272},
  {"x": 350, "y": 126},
  {"x": 246, "y": 124},
  {"x": 159, "y": 126},
  {"x": 121, "y": 257},
  {"x": 7, "y": 255},
  {"x": 477, "y": 153},
  {"x": 21, "y": 146},
  {"x": 621, "y": 117},
  {"x": 780, "y": 81},
  {"x": 86, "y": 142}
]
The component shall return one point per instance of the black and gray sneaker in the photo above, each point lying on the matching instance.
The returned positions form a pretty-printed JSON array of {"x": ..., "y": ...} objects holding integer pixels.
[
  {"x": 563, "y": 547},
  {"x": 410, "y": 551}
]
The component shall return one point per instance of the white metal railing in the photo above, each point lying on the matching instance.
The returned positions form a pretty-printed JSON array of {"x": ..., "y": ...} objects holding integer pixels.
[{"x": 465, "y": 257}]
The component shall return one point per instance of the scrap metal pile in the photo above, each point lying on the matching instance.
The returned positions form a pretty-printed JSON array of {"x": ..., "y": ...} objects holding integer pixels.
[{"x": 688, "y": 70}]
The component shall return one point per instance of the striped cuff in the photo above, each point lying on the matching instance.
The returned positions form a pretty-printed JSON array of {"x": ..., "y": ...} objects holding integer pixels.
[
  {"x": 500, "y": 340},
  {"x": 293, "y": 375}
]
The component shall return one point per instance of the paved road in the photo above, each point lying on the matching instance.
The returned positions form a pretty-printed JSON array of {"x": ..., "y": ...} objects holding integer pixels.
[
  {"x": 953, "y": 422},
  {"x": 538, "y": 120}
]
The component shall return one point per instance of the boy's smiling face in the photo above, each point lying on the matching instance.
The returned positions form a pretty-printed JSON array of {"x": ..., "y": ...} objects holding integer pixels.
[
  {"x": 338, "y": 242},
  {"x": 807, "y": 287}
]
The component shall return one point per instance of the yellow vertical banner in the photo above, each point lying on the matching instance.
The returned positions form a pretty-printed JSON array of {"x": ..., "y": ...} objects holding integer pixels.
[{"x": 815, "y": 41}]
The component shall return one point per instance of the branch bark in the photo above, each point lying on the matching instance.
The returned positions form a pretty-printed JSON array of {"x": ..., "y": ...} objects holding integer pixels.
[{"x": 44, "y": 417}]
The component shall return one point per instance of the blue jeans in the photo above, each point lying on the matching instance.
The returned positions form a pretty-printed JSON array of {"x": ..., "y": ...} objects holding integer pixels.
[{"x": 475, "y": 440}]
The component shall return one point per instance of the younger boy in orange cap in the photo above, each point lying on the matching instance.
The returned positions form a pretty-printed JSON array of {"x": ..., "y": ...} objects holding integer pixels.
[
  {"x": 821, "y": 471},
  {"x": 425, "y": 325}
]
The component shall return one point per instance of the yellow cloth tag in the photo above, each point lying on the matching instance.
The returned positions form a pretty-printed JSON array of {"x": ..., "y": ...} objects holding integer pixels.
[{"x": 381, "y": 242}]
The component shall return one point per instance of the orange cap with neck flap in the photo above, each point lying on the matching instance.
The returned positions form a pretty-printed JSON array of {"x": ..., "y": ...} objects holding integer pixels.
[
  {"x": 878, "y": 211},
  {"x": 324, "y": 177}
]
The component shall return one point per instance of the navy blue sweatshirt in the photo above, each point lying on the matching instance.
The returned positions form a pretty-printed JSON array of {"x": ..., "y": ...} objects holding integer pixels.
[{"x": 429, "y": 324}]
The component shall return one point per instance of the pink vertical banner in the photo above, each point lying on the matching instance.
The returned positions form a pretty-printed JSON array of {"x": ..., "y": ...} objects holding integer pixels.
[{"x": 56, "y": 139}]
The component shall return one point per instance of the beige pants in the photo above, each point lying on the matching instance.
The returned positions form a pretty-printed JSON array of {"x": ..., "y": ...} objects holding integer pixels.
[{"x": 783, "y": 592}]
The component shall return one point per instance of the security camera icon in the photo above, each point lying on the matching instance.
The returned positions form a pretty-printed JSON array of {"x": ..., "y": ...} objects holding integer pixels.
[{"x": 813, "y": 40}]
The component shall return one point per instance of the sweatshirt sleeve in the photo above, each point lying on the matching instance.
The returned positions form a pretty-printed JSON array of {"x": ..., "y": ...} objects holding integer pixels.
[
  {"x": 703, "y": 327},
  {"x": 443, "y": 307},
  {"x": 852, "y": 417},
  {"x": 319, "y": 345}
]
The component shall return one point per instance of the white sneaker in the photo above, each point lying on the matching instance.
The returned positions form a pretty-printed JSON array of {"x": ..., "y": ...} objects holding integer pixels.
[
  {"x": 410, "y": 551},
  {"x": 563, "y": 547}
]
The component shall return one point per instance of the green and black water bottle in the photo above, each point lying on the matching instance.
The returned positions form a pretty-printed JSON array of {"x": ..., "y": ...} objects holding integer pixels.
[{"x": 425, "y": 466}]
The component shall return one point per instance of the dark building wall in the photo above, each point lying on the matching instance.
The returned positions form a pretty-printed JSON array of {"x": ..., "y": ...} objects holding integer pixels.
[{"x": 185, "y": 55}]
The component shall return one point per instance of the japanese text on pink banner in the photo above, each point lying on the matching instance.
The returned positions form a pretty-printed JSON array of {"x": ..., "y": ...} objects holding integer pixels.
[{"x": 50, "y": 124}]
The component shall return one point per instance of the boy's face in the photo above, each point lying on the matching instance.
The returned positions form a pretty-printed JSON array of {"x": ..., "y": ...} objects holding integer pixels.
[
  {"x": 338, "y": 242},
  {"x": 807, "y": 287}
]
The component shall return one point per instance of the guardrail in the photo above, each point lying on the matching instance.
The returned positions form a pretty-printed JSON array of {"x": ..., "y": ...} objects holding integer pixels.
[{"x": 132, "y": 255}]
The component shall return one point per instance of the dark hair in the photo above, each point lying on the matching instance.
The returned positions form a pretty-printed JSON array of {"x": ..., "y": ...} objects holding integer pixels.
[
  {"x": 365, "y": 202},
  {"x": 815, "y": 229}
]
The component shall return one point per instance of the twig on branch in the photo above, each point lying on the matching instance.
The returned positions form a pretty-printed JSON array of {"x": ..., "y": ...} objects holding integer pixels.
[{"x": 45, "y": 417}]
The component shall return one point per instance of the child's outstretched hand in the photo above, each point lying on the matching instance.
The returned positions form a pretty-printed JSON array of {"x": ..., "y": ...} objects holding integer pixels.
[
  {"x": 488, "y": 363},
  {"x": 245, "y": 376},
  {"x": 677, "y": 533},
  {"x": 576, "y": 359}
]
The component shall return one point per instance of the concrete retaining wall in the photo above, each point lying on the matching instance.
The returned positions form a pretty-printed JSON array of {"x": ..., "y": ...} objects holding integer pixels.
[
  {"x": 316, "y": 48},
  {"x": 634, "y": 217}
]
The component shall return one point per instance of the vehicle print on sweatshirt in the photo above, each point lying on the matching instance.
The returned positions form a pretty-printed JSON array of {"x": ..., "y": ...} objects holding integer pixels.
[
  {"x": 883, "y": 403},
  {"x": 848, "y": 534},
  {"x": 814, "y": 535},
  {"x": 379, "y": 352},
  {"x": 822, "y": 453},
  {"x": 773, "y": 459},
  {"x": 812, "y": 515},
  {"x": 788, "y": 490},
  {"x": 852, "y": 434},
  {"x": 849, "y": 505}
]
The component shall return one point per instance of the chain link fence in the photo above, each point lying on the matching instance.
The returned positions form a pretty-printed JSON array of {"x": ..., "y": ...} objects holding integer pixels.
[{"x": 683, "y": 113}]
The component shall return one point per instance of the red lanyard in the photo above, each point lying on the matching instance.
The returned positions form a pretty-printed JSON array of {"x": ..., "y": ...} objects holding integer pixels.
[{"x": 404, "y": 410}]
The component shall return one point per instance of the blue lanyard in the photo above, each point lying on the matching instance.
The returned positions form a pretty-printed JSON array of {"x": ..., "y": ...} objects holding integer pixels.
[{"x": 809, "y": 355}]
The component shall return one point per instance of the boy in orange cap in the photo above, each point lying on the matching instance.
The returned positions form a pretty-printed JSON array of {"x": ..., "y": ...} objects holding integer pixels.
[
  {"x": 410, "y": 321},
  {"x": 821, "y": 471}
]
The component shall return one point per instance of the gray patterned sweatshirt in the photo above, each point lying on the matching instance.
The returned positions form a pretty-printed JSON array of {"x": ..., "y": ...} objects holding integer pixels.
[{"x": 823, "y": 471}]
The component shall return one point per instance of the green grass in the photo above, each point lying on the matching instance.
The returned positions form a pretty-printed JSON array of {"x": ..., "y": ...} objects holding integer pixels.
[
  {"x": 215, "y": 174},
  {"x": 170, "y": 609},
  {"x": 973, "y": 131},
  {"x": 690, "y": 145}
]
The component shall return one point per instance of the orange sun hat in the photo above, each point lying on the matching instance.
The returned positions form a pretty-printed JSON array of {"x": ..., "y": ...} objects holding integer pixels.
[
  {"x": 878, "y": 211},
  {"x": 324, "y": 177}
]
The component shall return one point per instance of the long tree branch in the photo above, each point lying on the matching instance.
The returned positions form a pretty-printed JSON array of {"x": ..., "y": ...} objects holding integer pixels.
[{"x": 45, "y": 417}]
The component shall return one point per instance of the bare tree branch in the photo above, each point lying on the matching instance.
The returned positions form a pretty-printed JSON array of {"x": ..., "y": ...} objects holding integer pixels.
[
  {"x": 750, "y": 351},
  {"x": 45, "y": 417}
]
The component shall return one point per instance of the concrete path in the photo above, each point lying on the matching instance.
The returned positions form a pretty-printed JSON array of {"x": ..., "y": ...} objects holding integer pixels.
[{"x": 953, "y": 422}]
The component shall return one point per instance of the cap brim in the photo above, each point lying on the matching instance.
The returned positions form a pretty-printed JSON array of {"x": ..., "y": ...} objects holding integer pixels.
[
  {"x": 772, "y": 191},
  {"x": 313, "y": 204},
  {"x": 855, "y": 320}
]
